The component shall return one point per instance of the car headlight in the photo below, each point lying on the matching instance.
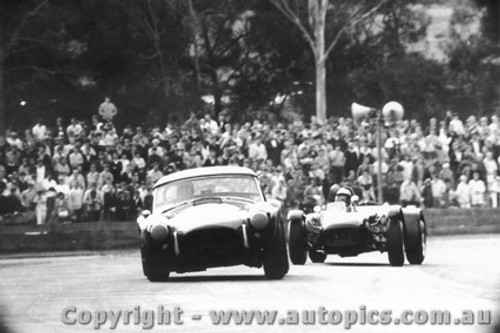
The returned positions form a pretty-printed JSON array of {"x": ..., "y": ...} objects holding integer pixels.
[
  {"x": 259, "y": 220},
  {"x": 159, "y": 232}
]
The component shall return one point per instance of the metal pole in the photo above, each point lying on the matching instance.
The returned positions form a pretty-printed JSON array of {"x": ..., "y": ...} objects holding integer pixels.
[{"x": 379, "y": 158}]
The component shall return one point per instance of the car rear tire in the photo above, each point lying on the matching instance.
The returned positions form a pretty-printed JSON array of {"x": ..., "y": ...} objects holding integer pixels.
[
  {"x": 153, "y": 262},
  {"x": 317, "y": 257},
  {"x": 416, "y": 253},
  {"x": 395, "y": 242},
  {"x": 275, "y": 256},
  {"x": 297, "y": 241}
]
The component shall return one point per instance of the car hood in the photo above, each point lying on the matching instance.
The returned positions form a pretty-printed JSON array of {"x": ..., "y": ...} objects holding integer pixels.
[
  {"x": 209, "y": 216},
  {"x": 335, "y": 219}
]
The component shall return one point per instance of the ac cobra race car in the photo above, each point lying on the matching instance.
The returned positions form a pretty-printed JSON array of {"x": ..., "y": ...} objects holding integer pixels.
[
  {"x": 348, "y": 230},
  {"x": 211, "y": 217}
]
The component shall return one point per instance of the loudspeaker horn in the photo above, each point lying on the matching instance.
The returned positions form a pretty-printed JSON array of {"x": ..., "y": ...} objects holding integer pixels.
[{"x": 360, "y": 111}]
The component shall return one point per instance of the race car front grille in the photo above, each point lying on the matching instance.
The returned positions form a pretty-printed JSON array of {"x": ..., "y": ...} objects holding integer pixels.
[
  {"x": 341, "y": 237},
  {"x": 212, "y": 247}
]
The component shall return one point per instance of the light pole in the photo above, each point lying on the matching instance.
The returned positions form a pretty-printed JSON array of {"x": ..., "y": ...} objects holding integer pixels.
[{"x": 388, "y": 115}]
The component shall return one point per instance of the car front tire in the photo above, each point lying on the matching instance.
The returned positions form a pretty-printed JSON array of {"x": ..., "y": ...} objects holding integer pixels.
[
  {"x": 395, "y": 242},
  {"x": 275, "y": 256},
  {"x": 153, "y": 262},
  {"x": 297, "y": 241},
  {"x": 416, "y": 253}
]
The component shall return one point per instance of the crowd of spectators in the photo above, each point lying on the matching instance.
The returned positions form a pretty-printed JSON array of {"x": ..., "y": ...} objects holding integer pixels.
[{"x": 88, "y": 171}]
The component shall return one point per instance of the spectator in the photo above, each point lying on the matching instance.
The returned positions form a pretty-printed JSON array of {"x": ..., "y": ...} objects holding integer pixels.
[
  {"x": 74, "y": 131},
  {"x": 75, "y": 201},
  {"x": 477, "y": 190},
  {"x": 40, "y": 201},
  {"x": 463, "y": 193},
  {"x": 39, "y": 130},
  {"x": 76, "y": 178},
  {"x": 494, "y": 190},
  {"x": 438, "y": 191},
  {"x": 154, "y": 174},
  {"x": 93, "y": 202},
  {"x": 61, "y": 211},
  {"x": 107, "y": 110}
]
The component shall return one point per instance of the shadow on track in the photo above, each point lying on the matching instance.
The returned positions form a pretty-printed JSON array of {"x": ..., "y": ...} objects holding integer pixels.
[{"x": 357, "y": 264}]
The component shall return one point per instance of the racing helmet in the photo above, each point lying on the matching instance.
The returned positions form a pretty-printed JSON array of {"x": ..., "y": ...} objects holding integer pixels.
[{"x": 343, "y": 195}]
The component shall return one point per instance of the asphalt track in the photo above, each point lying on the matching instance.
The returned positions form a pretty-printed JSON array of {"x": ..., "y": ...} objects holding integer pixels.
[{"x": 460, "y": 273}]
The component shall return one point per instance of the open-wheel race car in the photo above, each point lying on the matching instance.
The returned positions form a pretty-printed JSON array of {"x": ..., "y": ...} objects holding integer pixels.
[
  {"x": 347, "y": 229},
  {"x": 211, "y": 217}
]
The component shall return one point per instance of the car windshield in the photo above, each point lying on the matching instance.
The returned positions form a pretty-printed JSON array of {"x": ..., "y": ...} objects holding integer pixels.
[{"x": 177, "y": 192}]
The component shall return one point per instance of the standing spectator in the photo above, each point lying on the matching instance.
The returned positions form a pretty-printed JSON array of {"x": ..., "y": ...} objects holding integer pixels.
[
  {"x": 463, "y": 193},
  {"x": 93, "y": 201},
  {"x": 14, "y": 141},
  {"x": 438, "y": 191},
  {"x": 40, "y": 172},
  {"x": 279, "y": 190},
  {"x": 154, "y": 174},
  {"x": 75, "y": 201},
  {"x": 93, "y": 176},
  {"x": 39, "y": 130},
  {"x": 257, "y": 150},
  {"x": 106, "y": 175},
  {"x": 477, "y": 190},
  {"x": 352, "y": 159},
  {"x": 59, "y": 131},
  {"x": 61, "y": 208},
  {"x": 274, "y": 147},
  {"x": 337, "y": 162},
  {"x": 74, "y": 130},
  {"x": 76, "y": 178},
  {"x": 494, "y": 189},
  {"x": 40, "y": 201},
  {"x": 456, "y": 126},
  {"x": 210, "y": 125},
  {"x": 365, "y": 180},
  {"x": 491, "y": 169},
  {"x": 107, "y": 110}
]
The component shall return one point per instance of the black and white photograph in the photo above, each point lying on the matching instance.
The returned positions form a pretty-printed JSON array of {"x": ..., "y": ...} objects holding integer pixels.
[{"x": 249, "y": 166}]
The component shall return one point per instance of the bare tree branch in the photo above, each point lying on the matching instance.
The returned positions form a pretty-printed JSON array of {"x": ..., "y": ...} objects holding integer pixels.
[
  {"x": 286, "y": 10},
  {"x": 352, "y": 21},
  {"x": 20, "y": 26}
]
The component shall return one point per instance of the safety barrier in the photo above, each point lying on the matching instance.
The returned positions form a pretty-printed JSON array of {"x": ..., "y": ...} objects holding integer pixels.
[{"x": 120, "y": 235}]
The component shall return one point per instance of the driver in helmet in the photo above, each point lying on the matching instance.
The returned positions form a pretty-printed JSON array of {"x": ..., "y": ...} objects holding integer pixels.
[{"x": 344, "y": 195}]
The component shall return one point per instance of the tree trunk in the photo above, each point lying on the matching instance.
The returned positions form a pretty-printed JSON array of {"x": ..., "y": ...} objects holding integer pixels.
[
  {"x": 321, "y": 92},
  {"x": 319, "y": 13},
  {"x": 2, "y": 86},
  {"x": 196, "y": 34}
]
